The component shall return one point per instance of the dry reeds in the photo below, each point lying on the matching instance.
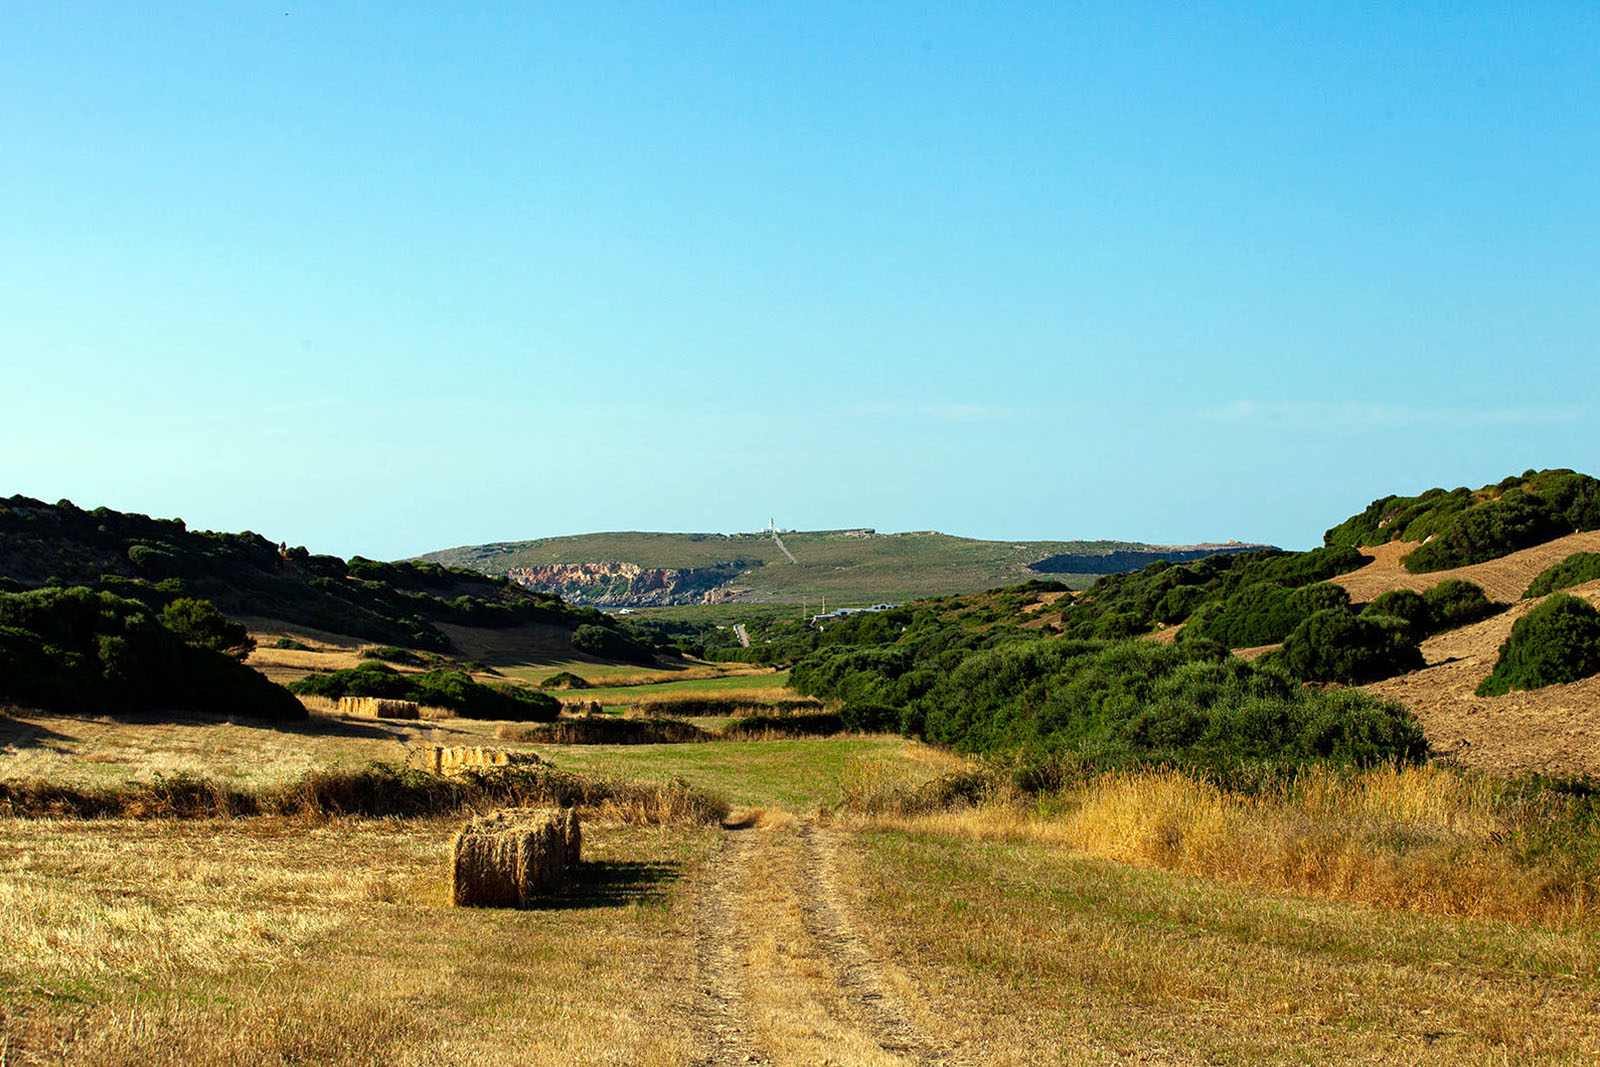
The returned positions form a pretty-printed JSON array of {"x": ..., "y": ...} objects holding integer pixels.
[
  {"x": 1424, "y": 839},
  {"x": 507, "y": 859},
  {"x": 378, "y": 789}
]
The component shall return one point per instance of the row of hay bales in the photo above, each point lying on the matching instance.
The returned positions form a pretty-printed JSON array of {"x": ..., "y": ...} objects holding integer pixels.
[
  {"x": 379, "y": 708},
  {"x": 507, "y": 859},
  {"x": 453, "y": 759}
]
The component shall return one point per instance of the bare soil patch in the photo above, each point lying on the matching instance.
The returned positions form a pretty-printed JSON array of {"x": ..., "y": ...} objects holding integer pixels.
[
  {"x": 1555, "y": 730},
  {"x": 1503, "y": 579}
]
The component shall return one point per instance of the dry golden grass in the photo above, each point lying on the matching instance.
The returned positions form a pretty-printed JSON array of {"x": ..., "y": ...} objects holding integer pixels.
[
  {"x": 239, "y": 942},
  {"x": 1032, "y": 954},
  {"x": 1420, "y": 839}
]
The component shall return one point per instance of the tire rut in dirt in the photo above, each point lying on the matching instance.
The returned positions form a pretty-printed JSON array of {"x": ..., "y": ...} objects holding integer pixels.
[
  {"x": 719, "y": 1016},
  {"x": 860, "y": 982}
]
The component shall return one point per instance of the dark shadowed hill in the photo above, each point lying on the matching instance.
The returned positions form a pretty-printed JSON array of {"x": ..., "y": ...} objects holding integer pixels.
[{"x": 245, "y": 574}]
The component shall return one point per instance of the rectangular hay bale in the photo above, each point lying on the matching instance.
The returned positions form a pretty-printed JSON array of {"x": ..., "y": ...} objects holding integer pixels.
[
  {"x": 379, "y": 708},
  {"x": 508, "y": 858}
]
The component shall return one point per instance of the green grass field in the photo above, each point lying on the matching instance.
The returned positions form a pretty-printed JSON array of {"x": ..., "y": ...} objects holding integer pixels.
[{"x": 776, "y": 682}]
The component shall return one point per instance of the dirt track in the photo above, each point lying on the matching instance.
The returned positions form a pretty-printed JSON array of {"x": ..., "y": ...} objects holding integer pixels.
[{"x": 782, "y": 976}]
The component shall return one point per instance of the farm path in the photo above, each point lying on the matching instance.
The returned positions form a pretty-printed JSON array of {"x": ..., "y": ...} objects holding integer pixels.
[
  {"x": 783, "y": 976},
  {"x": 721, "y": 1015}
]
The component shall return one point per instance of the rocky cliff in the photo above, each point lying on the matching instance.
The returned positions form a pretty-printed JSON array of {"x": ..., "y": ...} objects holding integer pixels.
[{"x": 619, "y": 585}]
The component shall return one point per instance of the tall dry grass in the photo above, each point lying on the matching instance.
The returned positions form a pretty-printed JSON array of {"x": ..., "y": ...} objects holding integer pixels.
[
  {"x": 377, "y": 790},
  {"x": 1426, "y": 839}
]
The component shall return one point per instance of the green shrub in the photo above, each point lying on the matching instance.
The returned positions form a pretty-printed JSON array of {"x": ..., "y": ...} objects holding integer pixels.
[
  {"x": 199, "y": 623},
  {"x": 1487, "y": 532},
  {"x": 1336, "y": 646},
  {"x": 1576, "y": 569},
  {"x": 292, "y": 645},
  {"x": 564, "y": 680},
  {"x": 1132, "y": 703},
  {"x": 1456, "y": 602},
  {"x": 870, "y": 718},
  {"x": 1407, "y": 606},
  {"x": 1265, "y": 613},
  {"x": 1557, "y": 642},
  {"x": 605, "y": 643},
  {"x": 391, "y": 654}
]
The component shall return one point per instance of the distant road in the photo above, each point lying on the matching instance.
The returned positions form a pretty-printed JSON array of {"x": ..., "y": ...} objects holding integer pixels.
[
  {"x": 739, "y": 632},
  {"x": 781, "y": 547}
]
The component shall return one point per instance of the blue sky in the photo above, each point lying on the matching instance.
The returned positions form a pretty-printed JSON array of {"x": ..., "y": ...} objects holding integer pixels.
[{"x": 385, "y": 278}]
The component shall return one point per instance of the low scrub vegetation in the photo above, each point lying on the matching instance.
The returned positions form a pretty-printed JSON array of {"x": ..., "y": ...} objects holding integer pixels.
[
  {"x": 564, "y": 680},
  {"x": 1557, "y": 642},
  {"x": 82, "y": 651},
  {"x": 1576, "y": 569},
  {"x": 1337, "y": 646},
  {"x": 1463, "y": 526},
  {"x": 1240, "y": 599},
  {"x": 1066, "y": 703},
  {"x": 450, "y": 689}
]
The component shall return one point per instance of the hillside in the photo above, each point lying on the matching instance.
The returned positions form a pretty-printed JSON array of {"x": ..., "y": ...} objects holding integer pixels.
[
  {"x": 635, "y": 569},
  {"x": 248, "y": 576}
]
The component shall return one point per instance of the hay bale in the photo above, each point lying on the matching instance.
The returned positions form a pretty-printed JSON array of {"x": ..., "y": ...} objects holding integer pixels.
[
  {"x": 453, "y": 759},
  {"x": 508, "y": 858},
  {"x": 379, "y": 708}
]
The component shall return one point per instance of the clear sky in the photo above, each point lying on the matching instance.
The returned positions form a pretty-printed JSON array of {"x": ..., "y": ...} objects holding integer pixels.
[{"x": 384, "y": 278}]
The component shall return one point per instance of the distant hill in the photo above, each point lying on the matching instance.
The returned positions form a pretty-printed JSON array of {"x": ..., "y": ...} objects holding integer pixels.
[
  {"x": 846, "y": 566},
  {"x": 247, "y": 575}
]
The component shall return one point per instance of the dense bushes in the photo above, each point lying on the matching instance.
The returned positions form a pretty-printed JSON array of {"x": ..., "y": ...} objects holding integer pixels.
[
  {"x": 1239, "y": 599},
  {"x": 1336, "y": 646},
  {"x": 1107, "y": 704},
  {"x": 1451, "y": 604},
  {"x": 438, "y": 688},
  {"x": 1456, "y": 602},
  {"x": 1576, "y": 569},
  {"x": 1463, "y": 526},
  {"x": 1135, "y": 703},
  {"x": 1264, "y": 613},
  {"x": 1556, "y": 642},
  {"x": 77, "y": 650},
  {"x": 199, "y": 623}
]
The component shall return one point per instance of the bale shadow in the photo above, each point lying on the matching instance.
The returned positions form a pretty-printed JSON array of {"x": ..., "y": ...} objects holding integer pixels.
[
  {"x": 614, "y": 883},
  {"x": 18, "y": 734}
]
